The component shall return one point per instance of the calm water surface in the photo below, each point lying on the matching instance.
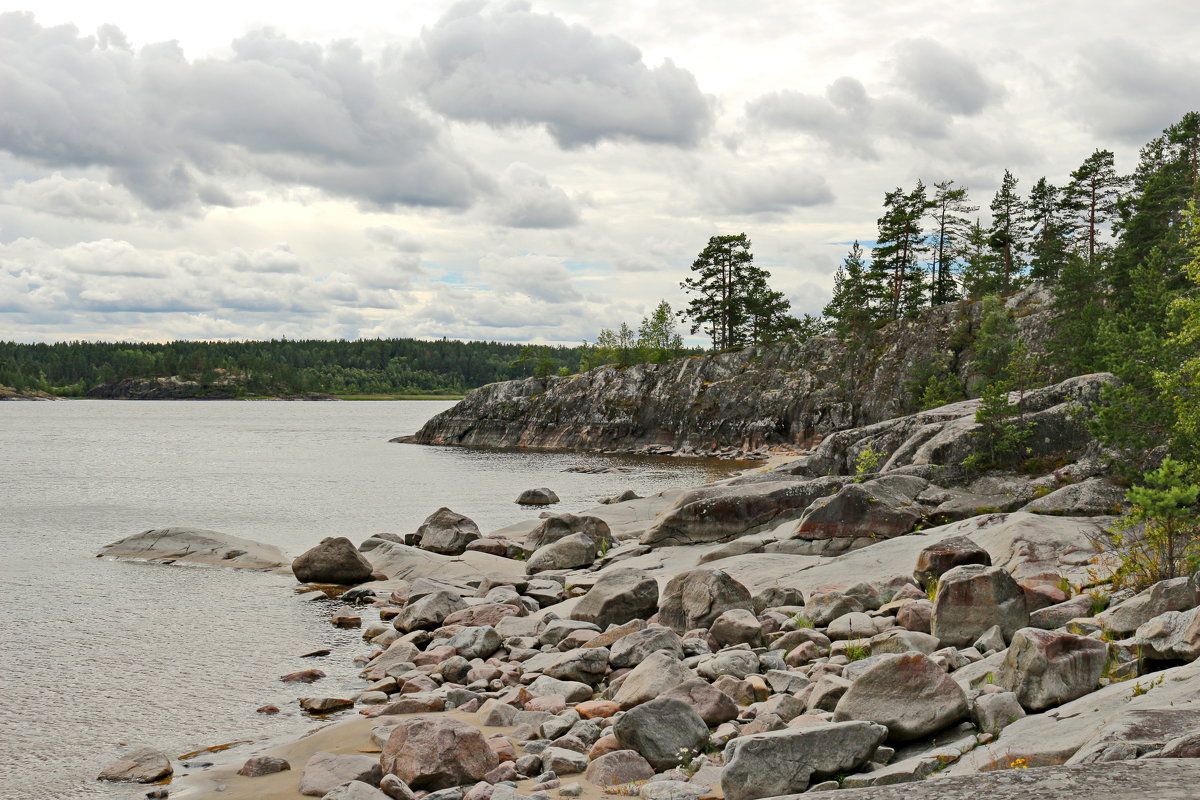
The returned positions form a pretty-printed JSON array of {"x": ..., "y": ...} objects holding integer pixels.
[{"x": 95, "y": 653}]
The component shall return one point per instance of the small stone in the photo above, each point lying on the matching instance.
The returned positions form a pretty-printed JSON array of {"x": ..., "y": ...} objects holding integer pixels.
[
  {"x": 303, "y": 676},
  {"x": 263, "y": 765}
]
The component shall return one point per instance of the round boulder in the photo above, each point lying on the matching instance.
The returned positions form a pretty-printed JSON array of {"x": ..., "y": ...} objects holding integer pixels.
[
  {"x": 537, "y": 497},
  {"x": 940, "y": 557},
  {"x": 694, "y": 599},
  {"x": 434, "y": 753},
  {"x": 551, "y": 529},
  {"x": 908, "y": 693},
  {"x": 663, "y": 731},
  {"x": 447, "y": 532},
  {"x": 335, "y": 560},
  {"x": 618, "y": 597}
]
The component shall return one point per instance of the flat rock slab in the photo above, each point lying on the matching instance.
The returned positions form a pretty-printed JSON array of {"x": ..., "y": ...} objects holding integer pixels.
[
  {"x": 1157, "y": 778},
  {"x": 196, "y": 546}
]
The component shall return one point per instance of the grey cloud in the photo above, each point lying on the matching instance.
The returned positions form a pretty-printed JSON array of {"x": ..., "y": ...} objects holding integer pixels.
[
  {"x": 168, "y": 128},
  {"x": 510, "y": 66},
  {"x": 943, "y": 78},
  {"x": 80, "y": 198},
  {"x": 768, "y": 191},
  {"x": 394, "y": 239},
  {"x": 1131, "y": 92},
  {"x": 542, "y": 278},
  {"x": 526, "y": 199}
]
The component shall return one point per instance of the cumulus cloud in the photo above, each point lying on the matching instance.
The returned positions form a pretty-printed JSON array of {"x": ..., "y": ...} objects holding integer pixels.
[
  {"x": 938, "y": 86},
  {"x": 526, "y": 199},
  {"x": 538, "y": 277},
  {"x": 169, "y": 129},
  {"x": 943, "y": 78},
  {"x": 768, "y": 190},
  {"x": 79, "y": 198},
  {"x": 508, "y": 66}
]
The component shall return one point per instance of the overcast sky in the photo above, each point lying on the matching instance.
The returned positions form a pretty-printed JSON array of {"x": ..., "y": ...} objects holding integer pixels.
[{"x": 512, "y": 170}]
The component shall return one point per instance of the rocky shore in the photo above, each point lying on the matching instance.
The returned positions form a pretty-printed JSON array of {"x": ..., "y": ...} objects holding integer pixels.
[{"x": 807, "y": 627}]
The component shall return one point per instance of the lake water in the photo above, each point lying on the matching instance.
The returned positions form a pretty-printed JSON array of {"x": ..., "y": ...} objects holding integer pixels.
[{"x": 95, "y": 653}]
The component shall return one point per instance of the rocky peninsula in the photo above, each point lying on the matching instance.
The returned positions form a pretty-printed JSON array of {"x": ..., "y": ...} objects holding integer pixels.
[{"x": 834, "y": 622}]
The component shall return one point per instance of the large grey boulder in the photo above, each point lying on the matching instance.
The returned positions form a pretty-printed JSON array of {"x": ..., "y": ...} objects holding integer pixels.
[
  {"x": 447, "y": 532},
  {"x": 713, "y": 513},
  {"x": 1090, "y": 498},
  {"x": 139, "y": 765},
  {"x": 1173, "y": 636},
  {"x": 537, "y": 497},
  {"x": 619, "y": 596},
  {"x": 570, "y": 552},
  {"x": 940, "y": 557},
  {"x": 860, "y": 514},
  {"x": 658, "y": 673},
  {"x": 335, "y": 560},
  {"x": 1049, "y": 668},
  {"x": 324, "y": 772},
  {"x": 436, "y": 752},
  {"x": 636, "y": 647},
  {"x": 1060, "y": 614},
  {"x": 551, "y": 529},
  {"x": 662, "y": 731},
  {"x": 617, "y": 768},
  {"x": 694, "y": 599},
  {"x": 1175, "y": 594},
  {"x": 428, "y": 612},
  {"x": 906, "y": 692},
  {"x": 476, "y": 642},
  {"x": 585, "y": 665},
  {"x": 971, "y": 599},
  {"x": 713, "y": 705},
  {"x": 786, "y": 761},
  {"x": 994, "y": 712},
  {"x": 737, "y": 626}
]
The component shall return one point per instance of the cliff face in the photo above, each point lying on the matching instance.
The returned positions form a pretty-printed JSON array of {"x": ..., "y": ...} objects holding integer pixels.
[{"x": 755, "y": 398}]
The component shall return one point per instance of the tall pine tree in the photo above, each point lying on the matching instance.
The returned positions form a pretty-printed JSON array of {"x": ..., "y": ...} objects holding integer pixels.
[
  {"x": 849, "y": 308},
  {"x": 947, "y": 208},
  {"x": 1049, "y": 230},
  {"x": 1007, "y": 234},
  {"x": 1091, "y": 197},
  {"x": 896, "y": 275}
]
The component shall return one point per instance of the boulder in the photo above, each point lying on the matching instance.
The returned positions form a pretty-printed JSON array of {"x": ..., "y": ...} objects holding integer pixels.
[
  {"x": 1173, "y": 636},
  {"x": 662, "y": 731},
  {"x": 585, "y": 665},
  {"x": 737, "y": 626},
  {"x": 182, "y": 545},
  {"x": 447, "y": 532},
  {"x": 903, "y": 641},
  {"x": 859, "y": 514},
  {"x": 824, "y": 607},
  {"x": 560, "y": 526},
  {"x": 636, "y": 647},
  {"x": 1059, "y": 614},
  {"x": 972, "y": 598},
  {"x": 258, "y": 766},
  {"x": 619, "y": 596},
  {"x": 735, "y": 662},
  {"x": 537, "y": 497},
  {"x": 1049, "y": 668},
  {"x": 334, "y": 560},
  {"x": 939, "y": 558},
  {"x": 355, "y": 790},
  {"x": 140, "y": 765},
  {"x": 477, "y": 642},
  {"x": 908, "y": 693},
  {"x": 618, "y": 768},
  {"x": 1176, "y": 594},
  {"x": 713, "y": 705},
  {"x": 658, "y": 673},
  {"x": 694, "y": 599},
  {"x": 1093, "y": 497},
  {"x": 571, "y": 552},
  {"x": 428, "y": 612},
  {"x": 324, "y": 772},
  {"x": 714, "y": 513},
  {"x": 434, "y": 753},
  {"x": 786, "y": 761},
  {"x": 994, "y": 712}
]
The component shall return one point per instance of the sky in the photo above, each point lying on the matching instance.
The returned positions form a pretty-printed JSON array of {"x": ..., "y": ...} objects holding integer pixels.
[{"x": 518, "y": 171}]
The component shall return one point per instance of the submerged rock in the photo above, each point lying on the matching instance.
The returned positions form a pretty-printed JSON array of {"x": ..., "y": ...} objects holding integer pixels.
[
  {"x": 140, "y": 765},
  {"x": 196, "y": 546}
]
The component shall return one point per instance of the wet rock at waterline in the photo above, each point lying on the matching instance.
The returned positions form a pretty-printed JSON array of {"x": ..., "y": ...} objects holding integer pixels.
[
  {"x": 335, "y": 560},
  {"x": 139, "y": 765}
]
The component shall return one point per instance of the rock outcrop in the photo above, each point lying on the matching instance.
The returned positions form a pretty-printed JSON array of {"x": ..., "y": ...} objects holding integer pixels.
[{"x": 755, "y": 397}]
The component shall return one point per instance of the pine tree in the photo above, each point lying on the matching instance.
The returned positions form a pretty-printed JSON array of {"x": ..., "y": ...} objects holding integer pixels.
[
  {"x": 1007, "y": 234},
  {"x": 980, "y": 273},
  {"x": 950, "y": 231},
  {"x": 719, "y": 310},
  {"x": 849, "y": 308},
  {"x": 1091, "y": 197},
  {"x": 1075, "y": 345},
  {"x": 896, "y": 275},
  {"x": 1049, "y": 229}
]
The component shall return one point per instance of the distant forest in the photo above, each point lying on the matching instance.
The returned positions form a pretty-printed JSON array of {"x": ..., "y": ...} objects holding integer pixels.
[{"x": 282, "y": 367}]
